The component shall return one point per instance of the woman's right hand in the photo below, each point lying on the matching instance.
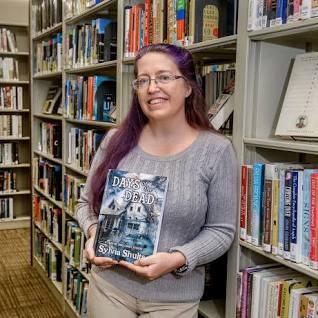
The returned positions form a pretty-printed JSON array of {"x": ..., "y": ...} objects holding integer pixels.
[{"x": 89, "y": 253}]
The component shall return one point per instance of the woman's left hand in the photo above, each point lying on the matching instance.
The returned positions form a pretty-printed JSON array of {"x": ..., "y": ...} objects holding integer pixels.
[{"x": 157, "y": 265}]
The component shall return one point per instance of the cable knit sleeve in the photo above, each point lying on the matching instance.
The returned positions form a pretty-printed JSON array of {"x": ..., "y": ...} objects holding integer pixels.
[
  {"x": 86, "y": 217},
  {"x": 218, "y": 231}
]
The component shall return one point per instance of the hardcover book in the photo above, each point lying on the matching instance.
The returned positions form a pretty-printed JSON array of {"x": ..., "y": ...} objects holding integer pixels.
[{"x": 130, "y": 215}]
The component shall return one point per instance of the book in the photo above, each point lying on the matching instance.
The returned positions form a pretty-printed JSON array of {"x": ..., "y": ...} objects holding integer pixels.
[
  {"x": 299, "y": 114},
  {"x": 52, "y": 104},
  {"x": 130, "y": 215}
]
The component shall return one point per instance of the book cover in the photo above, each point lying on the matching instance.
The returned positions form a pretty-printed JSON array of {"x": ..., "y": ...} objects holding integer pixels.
[
  {"x": 130, "y": 215},
  {"x": 299, "y": 114}
]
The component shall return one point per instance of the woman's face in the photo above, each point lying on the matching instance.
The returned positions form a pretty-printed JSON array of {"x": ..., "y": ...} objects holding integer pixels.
[{"x": 161, "y": 100}]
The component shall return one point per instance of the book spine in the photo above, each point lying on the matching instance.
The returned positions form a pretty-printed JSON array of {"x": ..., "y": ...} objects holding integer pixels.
[
  {"x": 287, "y": 213},
  {"x": 257, "y": 213},
  {"x": 244, "y": 190},
  {"x": 249, "y": 205},
  {"x": 313, "y": 255},
  {"x": 281, "y": 212},
  {"x": 296, "y": 217},
  {"x": 305, "y": 9},
  {"x": 275, "y": 211},
  {"x": 306, "y": 216}
]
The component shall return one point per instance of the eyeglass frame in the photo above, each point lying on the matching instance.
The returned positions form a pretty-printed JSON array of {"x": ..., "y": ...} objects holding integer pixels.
[{"x": 173, "y": 78}]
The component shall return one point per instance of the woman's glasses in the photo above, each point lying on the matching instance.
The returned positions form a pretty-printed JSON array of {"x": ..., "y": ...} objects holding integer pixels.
[{"x": 143, "y": 82}]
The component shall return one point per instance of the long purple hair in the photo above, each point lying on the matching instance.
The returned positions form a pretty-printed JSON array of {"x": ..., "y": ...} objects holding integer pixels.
[{"x": 127, "y": 135}]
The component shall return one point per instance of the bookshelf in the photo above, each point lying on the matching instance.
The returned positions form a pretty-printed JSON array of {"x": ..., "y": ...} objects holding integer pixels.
[
  {"x": 221, "y": 50},
  {"x": 263, "y": 61},
  {"x": 15, "y": 167}
]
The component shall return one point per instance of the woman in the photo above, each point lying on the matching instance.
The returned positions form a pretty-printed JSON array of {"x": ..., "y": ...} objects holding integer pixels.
[{"x": 166, "y": 132}]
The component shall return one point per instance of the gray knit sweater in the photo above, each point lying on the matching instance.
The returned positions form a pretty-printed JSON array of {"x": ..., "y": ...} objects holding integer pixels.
[{"x": 199, "y": 217}]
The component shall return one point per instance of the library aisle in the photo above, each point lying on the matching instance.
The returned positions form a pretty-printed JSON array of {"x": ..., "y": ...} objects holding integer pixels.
[{"x": 22, "y": 291}]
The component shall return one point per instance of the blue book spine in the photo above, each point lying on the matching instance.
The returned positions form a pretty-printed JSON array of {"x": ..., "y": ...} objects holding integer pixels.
[
  {"x": 294, "y": 204},
  {"x": 281, "y": 14},
  {"x": 257, "y": 210},
  {"x": 287, "y": 213}
]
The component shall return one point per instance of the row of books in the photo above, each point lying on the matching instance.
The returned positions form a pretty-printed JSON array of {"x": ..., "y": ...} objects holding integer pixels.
[
  {"x": 48, "y": 255},
  {"x": 48, "y": 177},
  {"x": 76, "y": 287},
  {"x": 6, "y": 209},
  {"x": 91, "y": 43},
  {"x": 184, "y": 22},
  {"x": 272, "y": 290},
  {"x": 46, "y": 14},
  {"x": 75, "y": 7},
  {"x": 215, "y": 79},
  {"x": 11, "y": 126},
  {"x": 90, "y": 98},
  {"x": 11, "y": 97},
  {"x": 83, "y": 145},
  {"x": 50, "y": 139},
  {"x": 8, "y": 181},
  {"x": 74, "y": 245},
  {"x": 9, "y": 153},
  {"x": 49, "y": 55},
  {"x": 73, "y": 188},
  {"x": 9, "y": 68},
  {"x": 8, "y": 41},
  {"x": 48, "y": 217},
  {"x": 279, "y": 210},
  {"x": 263, "y": 14}
]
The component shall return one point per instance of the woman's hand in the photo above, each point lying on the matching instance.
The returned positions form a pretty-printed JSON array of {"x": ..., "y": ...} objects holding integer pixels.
[
  {"x": 157, "y": 265},
  {"x": 89, "y": 253}
]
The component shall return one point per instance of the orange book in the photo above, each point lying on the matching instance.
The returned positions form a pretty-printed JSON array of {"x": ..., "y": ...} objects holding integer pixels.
[
  {"x": 90, "y": 83},
  {"x": 147, "y": 23}
]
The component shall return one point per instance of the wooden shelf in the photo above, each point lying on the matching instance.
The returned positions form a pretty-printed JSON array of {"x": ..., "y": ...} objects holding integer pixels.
[
  {"x": 288, "y": 29},
  {"x": 58, "y": 245},
  {"x": 284, "y": 145},
  {"x": 77, "y": 170},
  {"x": 298, "y": 267},
  {"x": 14, "y": 54},
  {"x": 14, "y": 166},
  {"x": 49, "y": 157},
  {"x": 48, "y": 32},
  {"x": 59, "y": 204},
  {"x": 54, "y": 287},
  {"x": 13, "y": 82},
  {"x": 48, "y": 116},
  {"x": 20, "y": 222},
  {"x": 92, "y": 67},
  {"x": 99, "y": 8},
  {"x": 97, "y": 124},
  {"x": 24, "y": 110},
  {"x": 14, "y": 25},
  {"x": 69, "y": 214},
  {"x": 9, "y": 194},
  {"x": 46, "y": 75},
  {"x": 10, "y": 138}
]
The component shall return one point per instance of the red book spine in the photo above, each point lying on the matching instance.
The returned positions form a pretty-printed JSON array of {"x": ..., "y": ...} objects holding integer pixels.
[
  {"x": 90, "y": 98},
  {"x": 244, "y": 187},
  {"x": 147, "y": 22},
  {"x": 313, "y": 254}
]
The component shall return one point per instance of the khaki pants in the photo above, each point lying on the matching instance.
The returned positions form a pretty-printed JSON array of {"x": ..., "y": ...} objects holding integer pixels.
[{"x": 107, "y": 301}]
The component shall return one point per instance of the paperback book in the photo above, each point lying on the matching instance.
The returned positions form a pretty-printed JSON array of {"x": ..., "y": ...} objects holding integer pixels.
[{"x": 130, "y": 215}]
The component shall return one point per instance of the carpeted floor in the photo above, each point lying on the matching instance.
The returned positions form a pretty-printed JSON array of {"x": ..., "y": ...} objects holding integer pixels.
[{"x": 22, "y": 292}]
